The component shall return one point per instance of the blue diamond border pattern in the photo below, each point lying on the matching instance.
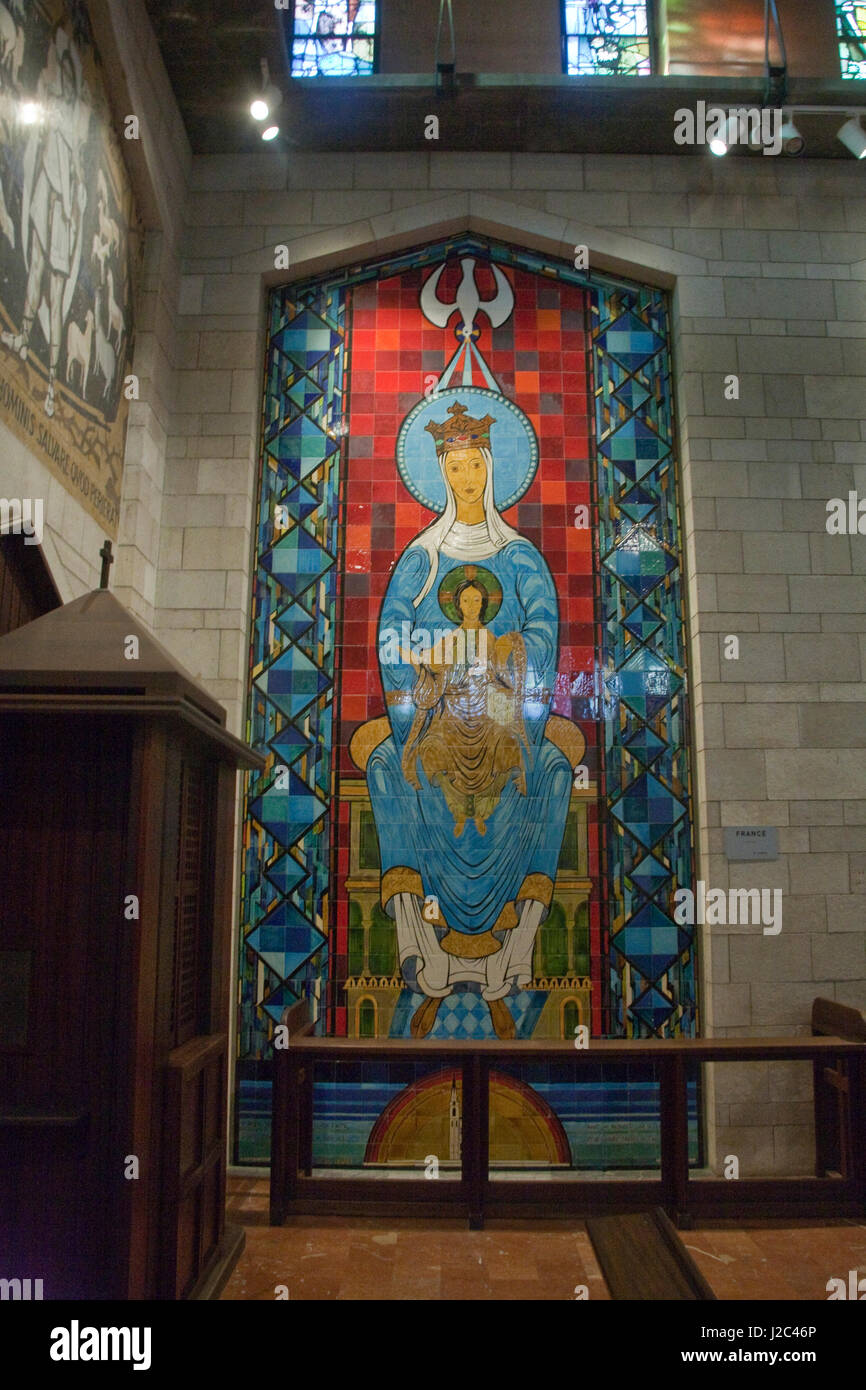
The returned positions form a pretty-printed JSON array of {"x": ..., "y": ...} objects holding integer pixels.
[{"x": 652, "y": 990}]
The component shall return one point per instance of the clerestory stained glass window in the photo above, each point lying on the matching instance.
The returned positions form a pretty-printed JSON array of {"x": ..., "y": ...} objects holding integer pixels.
[
  {"x": 851, "y": 28},
  {"x": 333, "y": 38},
  {"x": 606, "y": 38}
]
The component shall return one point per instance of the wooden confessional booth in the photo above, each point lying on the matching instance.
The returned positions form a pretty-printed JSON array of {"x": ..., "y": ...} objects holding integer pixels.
[{"x": 117, "y": 804}]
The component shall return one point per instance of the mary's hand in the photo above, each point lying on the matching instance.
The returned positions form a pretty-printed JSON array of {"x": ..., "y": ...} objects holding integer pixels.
[{"x": 510, "y": 644}]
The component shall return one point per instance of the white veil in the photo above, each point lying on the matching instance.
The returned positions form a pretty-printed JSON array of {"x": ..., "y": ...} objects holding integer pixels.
[{"x": 433, "y": 536}]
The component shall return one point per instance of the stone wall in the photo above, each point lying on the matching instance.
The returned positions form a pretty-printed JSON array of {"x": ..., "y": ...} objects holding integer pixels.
[{"x": 766, "y": 260}]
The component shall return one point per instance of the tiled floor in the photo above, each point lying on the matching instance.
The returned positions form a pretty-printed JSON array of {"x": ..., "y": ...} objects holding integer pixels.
[{"x": 330, "y": 1257}]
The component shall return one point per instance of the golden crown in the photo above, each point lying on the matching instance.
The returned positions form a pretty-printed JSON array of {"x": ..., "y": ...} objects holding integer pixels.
[{"x": 461, "y": 431}]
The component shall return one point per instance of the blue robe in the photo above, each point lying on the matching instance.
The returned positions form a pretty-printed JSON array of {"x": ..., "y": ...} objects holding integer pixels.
[{"x": 475, "y": 876}]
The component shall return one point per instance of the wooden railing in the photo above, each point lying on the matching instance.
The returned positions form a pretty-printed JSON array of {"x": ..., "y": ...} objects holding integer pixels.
[{"x": 683, "y": 1196}]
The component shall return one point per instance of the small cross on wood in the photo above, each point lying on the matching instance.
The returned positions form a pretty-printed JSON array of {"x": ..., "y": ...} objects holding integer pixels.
[{"x": 107, "y": 561}]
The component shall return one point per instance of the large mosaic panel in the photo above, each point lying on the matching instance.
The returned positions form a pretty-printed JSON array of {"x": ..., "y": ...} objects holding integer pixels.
[{"x": 467, "y": 675}]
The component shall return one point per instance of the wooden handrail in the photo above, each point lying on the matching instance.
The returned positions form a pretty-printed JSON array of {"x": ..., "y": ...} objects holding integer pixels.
[
  {"x": 837, "y": 1147},
  {"x": 838, "y": 1020},
  {"x": 600, "y": 1049},
  {"x": 294, "y": 1188}
]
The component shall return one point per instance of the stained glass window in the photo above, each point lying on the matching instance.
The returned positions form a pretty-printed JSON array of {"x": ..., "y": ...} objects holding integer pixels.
[
  {"x": 851, "y": 28},
  {"x": 606, "y": 38},
  {"x": 333, "y": 38}
]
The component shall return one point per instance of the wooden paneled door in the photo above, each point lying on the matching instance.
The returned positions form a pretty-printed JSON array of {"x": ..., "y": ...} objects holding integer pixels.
[{"x": 26, "y": 587}]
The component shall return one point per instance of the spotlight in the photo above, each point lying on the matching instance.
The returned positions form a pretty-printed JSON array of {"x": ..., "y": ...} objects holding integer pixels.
[
  {"x": 792, "y": 140},
  {"x": 853, "y": 137},
  {"x": 720, "y": 144},
  {"x": 29, "y": 113},
  {"x": 271, "y": 132},
  {"x": 268, "y": 99},
  {"x": 266, "y": 104}
]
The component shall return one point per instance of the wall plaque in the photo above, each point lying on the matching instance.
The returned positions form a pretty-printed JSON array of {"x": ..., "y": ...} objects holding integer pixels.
[{"x": 751, "y": 842}]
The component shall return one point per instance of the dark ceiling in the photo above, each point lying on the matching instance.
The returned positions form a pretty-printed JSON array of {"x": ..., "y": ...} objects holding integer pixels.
[{"x": 212, "y": 50}]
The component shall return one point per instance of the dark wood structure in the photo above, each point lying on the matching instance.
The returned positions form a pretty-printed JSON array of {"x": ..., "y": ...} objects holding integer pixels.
[
  {"x": 683, "y": 1195},
  {"x": 117, "y": 800},
  {"x": 643, "y": 1259},
  {"x": 26, "y": 587},
  {"x": 834, "y": 1137}
]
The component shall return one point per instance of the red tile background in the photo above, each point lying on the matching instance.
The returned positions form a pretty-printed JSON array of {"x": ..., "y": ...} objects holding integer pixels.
[{"x": 539, "y": 359}]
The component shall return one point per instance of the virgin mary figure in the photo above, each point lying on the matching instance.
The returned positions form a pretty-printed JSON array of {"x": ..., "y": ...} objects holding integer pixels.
[{"x": 468, "y": 795}]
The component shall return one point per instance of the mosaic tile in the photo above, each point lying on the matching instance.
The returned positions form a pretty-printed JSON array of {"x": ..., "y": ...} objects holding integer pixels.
[{"x": 588, "y": 361}]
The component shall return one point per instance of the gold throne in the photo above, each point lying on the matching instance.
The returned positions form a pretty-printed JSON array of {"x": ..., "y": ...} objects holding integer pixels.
[{"x": 560, "y": 968}]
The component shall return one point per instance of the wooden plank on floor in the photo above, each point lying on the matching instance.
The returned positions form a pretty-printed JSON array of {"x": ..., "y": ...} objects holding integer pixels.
[{"x": 643, "y": 1258}]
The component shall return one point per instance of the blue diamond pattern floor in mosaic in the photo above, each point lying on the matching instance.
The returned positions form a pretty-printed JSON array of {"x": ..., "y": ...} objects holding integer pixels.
[{"x": 464, "y": 1014}]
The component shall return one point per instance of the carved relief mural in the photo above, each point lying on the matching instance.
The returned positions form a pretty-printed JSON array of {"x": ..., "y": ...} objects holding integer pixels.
[{"x": 69, "y": 245}]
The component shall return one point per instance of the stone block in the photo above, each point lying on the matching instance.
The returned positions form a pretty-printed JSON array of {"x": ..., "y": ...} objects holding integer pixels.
[
  {"x": 810, "y": 657},
  {"x": 589, "y": 209},
  {"x": 772, "y": 213},
  {"x": 752, "y": 594},
  {"x": 818, "y": 873},
  {"x": 819, "y": 595},
  {"x": 745, "y": 246},
  {"x": 840, "y": 956},
  {"x": 761, "y": 726},
  {"x": 761, "y": 658},
  {"x": 202, "y": 391},
  {"x": 779, "y": 354},
  {"x": 731, "y": 1004},
  {"x": 834, "y": 726},
  {"x": 735, "y": 775},
  {"x": 784, "y": 1003},
  {"x": 751, "y": 1144},
  {"x": 802, "y": 913},
  {"x": 699, "y": 241},
  {"x": 773, "y": 298},
  {"x": 231, "y": 294},
  {"x": 741, "y": 1081},
  {"x": 713, "y": 210},
  {"x": 762, "y": 959},
  {"x": 231, "y": 173},
  {"x": 549, "y": 172},
  {"x": 190, "y": 589},
  {"x": 830, "y": 554},
  {"x": 214, "y": 548},
  {"x": 470, "y": 171},
  {"x": 817, "y": 812}
]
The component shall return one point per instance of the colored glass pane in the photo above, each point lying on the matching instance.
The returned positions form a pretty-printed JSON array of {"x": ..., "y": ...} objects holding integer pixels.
[
  {"x": 333, "y": 38},
  {"x": 606, "y": 38},
  {"x": 851, "y": 28}
]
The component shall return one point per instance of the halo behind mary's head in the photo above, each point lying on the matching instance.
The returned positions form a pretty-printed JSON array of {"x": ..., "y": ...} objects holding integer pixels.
[{"x": 512, "y": 444}]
